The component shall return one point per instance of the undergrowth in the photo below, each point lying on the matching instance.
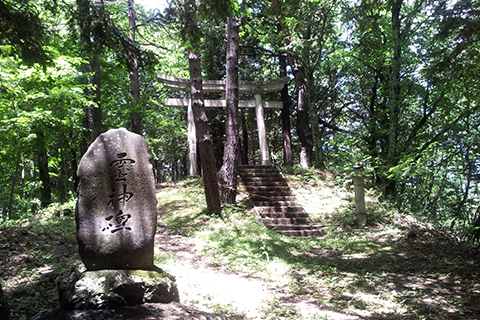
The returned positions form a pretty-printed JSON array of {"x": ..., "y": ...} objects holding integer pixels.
[{"x": 397, "y": 267}]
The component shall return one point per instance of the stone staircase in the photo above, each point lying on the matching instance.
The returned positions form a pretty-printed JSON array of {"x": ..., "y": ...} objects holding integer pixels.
[{"x": 275, "y": 205}]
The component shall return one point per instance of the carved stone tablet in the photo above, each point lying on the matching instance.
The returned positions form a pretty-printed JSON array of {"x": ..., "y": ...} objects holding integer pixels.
[{"x": 116, "y": 212}]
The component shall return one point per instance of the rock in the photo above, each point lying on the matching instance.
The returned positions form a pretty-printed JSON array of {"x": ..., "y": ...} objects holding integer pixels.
[
  {"x": 105, "y": 289},
  {"x": 151, "y": 311},
  {"x": 4, "y": 309},
  {"x": 116, "y": 212}
]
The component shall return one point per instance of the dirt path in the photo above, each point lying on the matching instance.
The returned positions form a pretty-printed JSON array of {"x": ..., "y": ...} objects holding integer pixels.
[
  {"x": 208, "y": 288},
  {"x": 204, "y": 286}
]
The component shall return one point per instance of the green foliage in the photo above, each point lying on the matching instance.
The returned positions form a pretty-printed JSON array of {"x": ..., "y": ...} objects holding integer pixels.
[
  {"x": 345, "y": 50},
  {"x": 34, "y": 98},
  {"x": 24, "y": 31}
]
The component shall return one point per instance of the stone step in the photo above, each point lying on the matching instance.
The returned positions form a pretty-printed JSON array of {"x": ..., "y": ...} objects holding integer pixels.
[
  {"x": 284, "y": 221},
  {"x": 256, "y": 169},
  {"x": 281, "y": 215},
  {"x": 282, "y": 189},
  {"x": 275, "y": 194},
  {"x": 262, "y": 197},
  {"x": 273, "y": 203},
  {"x": 265, "y": 181},
  {"x": 260, "y": 188},
  {"x": 262, "y": 173},
  {"x": 281, "y": 209}
]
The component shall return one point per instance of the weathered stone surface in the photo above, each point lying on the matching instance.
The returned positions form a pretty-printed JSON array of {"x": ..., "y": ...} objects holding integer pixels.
[
  {"x": 150, "y": 311},
  {"x": 116, "y": 212},
  {"x": 4, "y": 310},
  {"x": 104, "y": 289}
]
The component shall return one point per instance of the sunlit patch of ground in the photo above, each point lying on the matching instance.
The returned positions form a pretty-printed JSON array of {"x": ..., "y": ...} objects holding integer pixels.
[{"x": 202, "y": 285}]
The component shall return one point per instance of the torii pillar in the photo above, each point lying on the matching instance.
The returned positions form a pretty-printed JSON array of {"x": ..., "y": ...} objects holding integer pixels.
[
  {"x": 262, "y": 134},
  {"x": 192, "y": 140}
]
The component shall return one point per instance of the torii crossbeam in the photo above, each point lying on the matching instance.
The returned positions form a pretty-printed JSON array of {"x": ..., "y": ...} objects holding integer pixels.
[{"x": 254, "y": 87}]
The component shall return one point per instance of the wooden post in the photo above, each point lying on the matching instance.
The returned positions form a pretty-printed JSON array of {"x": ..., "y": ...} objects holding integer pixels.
[
  {"x": 360, "y": 210},
  {"x": 262, "y": 135},
  {"x": 192, "y": 140}
]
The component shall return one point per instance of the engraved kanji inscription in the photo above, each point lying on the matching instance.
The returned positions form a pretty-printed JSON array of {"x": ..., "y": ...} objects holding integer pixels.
[{"x": 120, "y": 195}]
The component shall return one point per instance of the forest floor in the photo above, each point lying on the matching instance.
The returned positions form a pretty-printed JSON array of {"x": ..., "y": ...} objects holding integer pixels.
[{"x": 395, "y": 268}]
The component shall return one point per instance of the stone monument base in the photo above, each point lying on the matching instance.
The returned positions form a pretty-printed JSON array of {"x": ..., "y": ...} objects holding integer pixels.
[{"x": 110, "y": 289}]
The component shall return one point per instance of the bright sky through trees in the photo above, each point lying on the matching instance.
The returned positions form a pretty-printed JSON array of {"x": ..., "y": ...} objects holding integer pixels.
[{"x": 153, "y": 4}]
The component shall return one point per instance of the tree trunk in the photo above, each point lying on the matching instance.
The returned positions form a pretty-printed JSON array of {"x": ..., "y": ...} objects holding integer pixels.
[
  {"x": 14, "y": 181},
  {"x": 63, "y": 176},
  {"x": 93, "y": 113},
  {"x": 303, "y": 122},
  {"x": 97, "y": 108},
  {"x": 205, "y": 143},
  {"x": 42, "y": 165},
  {"x": 286, "y": 127},
  {"x": 204, "y": 140},
  {"x": 228, "y": 172},
  {"x": 394, "y": 103},
  {"x": 317, "y": 133},
  {"x": 134, "y": 77}
]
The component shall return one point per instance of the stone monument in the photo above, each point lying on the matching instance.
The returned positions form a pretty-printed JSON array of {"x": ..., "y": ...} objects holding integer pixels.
[
  {"x": 116, "y": 217},
  {"x": 116, "y": 213}
]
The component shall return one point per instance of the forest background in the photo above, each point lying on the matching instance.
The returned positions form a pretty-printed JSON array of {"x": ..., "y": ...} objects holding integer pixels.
[{"x": 392, "y": 85}]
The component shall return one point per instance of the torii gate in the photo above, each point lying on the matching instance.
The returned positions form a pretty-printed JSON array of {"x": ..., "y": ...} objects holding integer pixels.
[{"x": 254, "y": 87}]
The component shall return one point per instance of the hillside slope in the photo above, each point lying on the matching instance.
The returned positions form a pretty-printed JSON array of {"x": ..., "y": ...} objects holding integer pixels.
[{"x": 395, "y": 268}]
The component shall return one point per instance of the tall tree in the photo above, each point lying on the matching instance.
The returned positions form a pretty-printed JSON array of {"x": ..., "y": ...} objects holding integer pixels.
[
  {"x": 286, "y": 126},
  {"x": 205, "y": 144},
  {"x": 228, "y": 171},
  {"x": 395, "y": 91},
  {"x": 42, "y": 165},
  {"x": 90, "y": 21},
  {"x": 304, "y": 129},
  {"x": 134, "y": 78}
]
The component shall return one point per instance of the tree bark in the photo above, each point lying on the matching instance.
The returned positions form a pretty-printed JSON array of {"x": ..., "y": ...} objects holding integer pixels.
[
  {"x": 394, "y": 103},
  {"x": 97, "y": 108},
  {"x": 134, "y": 77},
  {"x": 286, "y": 126},
  {"x": 303, "y": 122},
  {"x": 228, "y": 172},
  {"x": 92, "y": 121},
  {"x": 42, "y": 165},
  {"x": 14, "y": 181},
  {"x": 205, "y": 143},
  {"x": 204, "y": 140},
  {"x": 317, "y": 133}
]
